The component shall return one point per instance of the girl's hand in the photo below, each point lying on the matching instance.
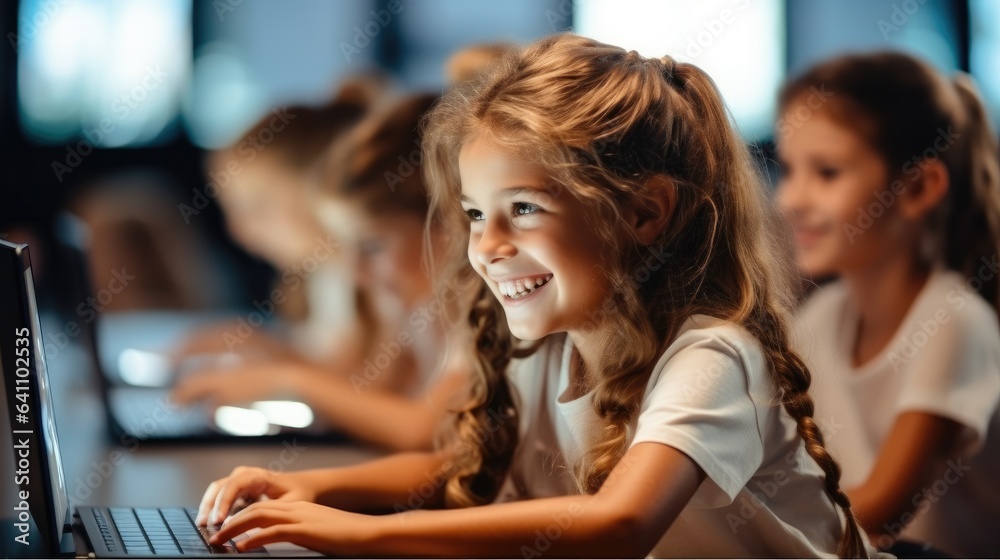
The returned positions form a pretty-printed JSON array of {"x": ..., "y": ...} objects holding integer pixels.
[
  {"x": 217, "y": 340},
  {"x": 324, "y": 529},
  {"x": 243, "y": 384},
  {"x": 249, "y": 484}
]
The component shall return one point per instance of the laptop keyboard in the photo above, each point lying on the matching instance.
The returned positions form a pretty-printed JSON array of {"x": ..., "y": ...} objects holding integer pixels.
[{"x": 162, "y": 531}]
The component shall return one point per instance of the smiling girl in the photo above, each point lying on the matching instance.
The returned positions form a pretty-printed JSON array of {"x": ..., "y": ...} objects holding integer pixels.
[
  {"x": 623, "y": 405},
  {"x": 894, "y": 186}
]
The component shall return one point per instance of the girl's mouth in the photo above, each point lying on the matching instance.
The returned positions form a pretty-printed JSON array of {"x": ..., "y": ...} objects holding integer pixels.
[
  {"x": 806, "y": 237},
  {"x": 522, "y": 288}
]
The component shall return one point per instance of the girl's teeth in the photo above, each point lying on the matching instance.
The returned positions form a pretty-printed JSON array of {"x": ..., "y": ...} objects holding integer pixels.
[{"x": 522, "y": 287}]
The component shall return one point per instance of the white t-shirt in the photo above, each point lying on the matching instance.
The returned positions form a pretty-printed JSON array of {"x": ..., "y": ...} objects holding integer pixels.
[
  {"x": 944, "y": 359},
  {"x": 711, "y": 397},
  {"x": 332, "y": 314}
]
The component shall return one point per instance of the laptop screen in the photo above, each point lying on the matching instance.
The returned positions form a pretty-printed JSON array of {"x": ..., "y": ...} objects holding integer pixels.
[{"x": 38, "y": 467}]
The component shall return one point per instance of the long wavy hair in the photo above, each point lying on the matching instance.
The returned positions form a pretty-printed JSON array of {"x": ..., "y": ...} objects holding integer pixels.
[
  {"x": 603, "y": 122},
  {"x": 901, "y": 106}
]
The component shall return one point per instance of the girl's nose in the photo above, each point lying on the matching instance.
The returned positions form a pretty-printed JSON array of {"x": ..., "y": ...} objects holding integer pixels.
[{"x": 494, "y": 244}]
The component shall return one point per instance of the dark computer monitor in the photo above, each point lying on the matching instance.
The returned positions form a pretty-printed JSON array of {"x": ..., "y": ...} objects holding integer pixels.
[{"x": 40, "y": 504}]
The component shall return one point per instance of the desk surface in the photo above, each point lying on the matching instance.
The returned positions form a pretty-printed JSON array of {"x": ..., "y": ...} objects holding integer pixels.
[{"x": 99, "y": 472}]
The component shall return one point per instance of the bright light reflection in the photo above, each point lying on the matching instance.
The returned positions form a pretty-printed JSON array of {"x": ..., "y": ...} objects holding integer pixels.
[
  {"x": 740, "y": 44},
  {"x": 144, "y": 369},
  {"x": 291, "y": 414},
  {"x": 240, "y": 421}
]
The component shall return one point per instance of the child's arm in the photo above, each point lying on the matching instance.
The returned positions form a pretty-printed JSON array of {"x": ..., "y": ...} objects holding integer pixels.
[
  {"x": 386, "y": 419},
  {"x": 372, "y": 415},
  {"x": 627, "y": 517},
  {"x": 384, "y": 484},
  {"x": 916, "y": 453}
]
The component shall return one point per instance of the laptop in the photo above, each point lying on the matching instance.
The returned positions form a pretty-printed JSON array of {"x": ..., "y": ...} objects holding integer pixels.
[
  {"x": 44, "y": 523},
  {"x": 135, "y": 379}
]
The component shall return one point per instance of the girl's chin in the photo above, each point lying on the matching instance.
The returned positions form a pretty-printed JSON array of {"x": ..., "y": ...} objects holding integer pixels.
[{"x": 527, "y": 332}]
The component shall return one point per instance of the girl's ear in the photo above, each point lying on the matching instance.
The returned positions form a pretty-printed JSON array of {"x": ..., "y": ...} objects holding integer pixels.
[
  {"x": 925, "y": 192},
  {"x": 653, "y": 211}
]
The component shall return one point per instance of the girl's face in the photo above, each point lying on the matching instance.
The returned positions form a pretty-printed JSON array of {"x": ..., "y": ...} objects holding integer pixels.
[
  {"x": 535, "y": 250},
  {"x": 834, "y": 190},
  {"x": 267, "y": 214}
]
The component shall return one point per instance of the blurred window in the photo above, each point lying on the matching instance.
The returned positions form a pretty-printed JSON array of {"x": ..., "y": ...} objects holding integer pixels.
[
  {"x": 430, "y": 31},
  {"x": 258, "y": 55},
  {"x": 112, "y": 71},
  {"x": 925, "y": 28},
  {"x": 739, "y": 43}
]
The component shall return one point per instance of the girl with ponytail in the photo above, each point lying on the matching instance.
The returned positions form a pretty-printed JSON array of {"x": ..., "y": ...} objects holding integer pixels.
[
  {"x": 891, "y": 181},
  {"x": 628, "y": 301}
]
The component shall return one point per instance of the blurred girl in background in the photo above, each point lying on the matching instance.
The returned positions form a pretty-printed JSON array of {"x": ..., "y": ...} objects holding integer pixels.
[
  {"x": 891, "y": 180},
  {"x": 263, "y": 181},
  {"x": 372, "y": 196}
]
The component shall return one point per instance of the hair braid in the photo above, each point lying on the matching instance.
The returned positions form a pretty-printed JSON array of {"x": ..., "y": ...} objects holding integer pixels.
[
  {"x": 485, "y": 452},
  {"x": 793, "y": 380}
]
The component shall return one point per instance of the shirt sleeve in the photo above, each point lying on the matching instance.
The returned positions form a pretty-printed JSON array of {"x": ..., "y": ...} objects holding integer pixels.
[
  {"x": 952, "y": 365},
  {"x": 700, "y": 404}
]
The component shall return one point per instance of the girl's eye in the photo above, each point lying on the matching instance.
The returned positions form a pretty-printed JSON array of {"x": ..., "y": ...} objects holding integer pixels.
[
  {"x": 474, "y": 215},
  {"x": 523, "y": 208},
  {"x": 369, "y": 247},
  {"x": 828, "y": 173}
]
